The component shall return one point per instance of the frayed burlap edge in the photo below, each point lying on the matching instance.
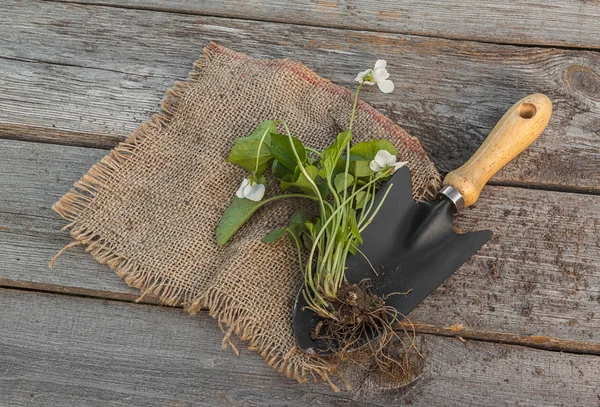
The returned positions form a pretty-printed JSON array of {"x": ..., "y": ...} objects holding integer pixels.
[
  {"x": 74, "y": 203},
  {"x": 240, "y": 322},
  {"x": 220, "y": 306}
]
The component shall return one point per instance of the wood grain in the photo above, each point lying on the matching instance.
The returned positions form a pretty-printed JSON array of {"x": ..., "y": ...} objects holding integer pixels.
[
  {"x": 76, "y": 68},
  {"x": 34, "y": 176},
  {"x": 539, "y": 275},
  {"x": 567, "y": 23},
  {"x": 65, "y": 351}
]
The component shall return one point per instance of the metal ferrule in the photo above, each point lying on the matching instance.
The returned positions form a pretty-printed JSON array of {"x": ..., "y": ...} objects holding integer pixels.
[{"x": 454, "y": 196}]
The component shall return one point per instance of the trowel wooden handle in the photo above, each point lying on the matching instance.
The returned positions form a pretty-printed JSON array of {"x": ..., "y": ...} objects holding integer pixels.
[{"x": 515, "y": 131}]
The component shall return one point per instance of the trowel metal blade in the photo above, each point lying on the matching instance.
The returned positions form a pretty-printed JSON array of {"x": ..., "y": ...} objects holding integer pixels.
[{"x": 411, "y": 249}]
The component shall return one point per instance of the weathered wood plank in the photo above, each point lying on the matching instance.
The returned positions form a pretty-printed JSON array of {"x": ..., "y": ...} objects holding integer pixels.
[
  {"x": 535, "y": 275},
  {"x": 76, "y": 99},
  {"x": 65, "y": 351},
  {"x": 34, "y": 176},
  {"x": 568, "y": 23},
  {"x": 539, "y": 275},
  {"x": 87, "y": 75}
]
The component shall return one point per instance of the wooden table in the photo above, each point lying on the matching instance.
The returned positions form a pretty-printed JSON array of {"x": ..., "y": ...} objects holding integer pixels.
[{"x": 519, "y": 324}]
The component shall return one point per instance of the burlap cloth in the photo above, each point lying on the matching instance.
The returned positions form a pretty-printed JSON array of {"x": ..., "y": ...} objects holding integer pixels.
[{"x": 149, "y": 209}]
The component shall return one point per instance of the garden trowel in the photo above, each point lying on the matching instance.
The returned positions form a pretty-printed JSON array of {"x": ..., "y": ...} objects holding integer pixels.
[{"x": 411, "y": 247}]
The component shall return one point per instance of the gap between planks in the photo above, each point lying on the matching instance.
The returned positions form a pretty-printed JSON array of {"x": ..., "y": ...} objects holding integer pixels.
[
  {"x": 21, "y": 132},
  {"x": 35, "y": 134},
  {"x": 455, "y": 331}
]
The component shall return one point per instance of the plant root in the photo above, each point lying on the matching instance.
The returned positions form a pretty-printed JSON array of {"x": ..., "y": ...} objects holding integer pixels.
[{"x": 363, "y": 331}]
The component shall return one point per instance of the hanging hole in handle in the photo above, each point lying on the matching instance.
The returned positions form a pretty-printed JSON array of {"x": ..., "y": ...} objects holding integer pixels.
[{"x": 527, "y": 110}]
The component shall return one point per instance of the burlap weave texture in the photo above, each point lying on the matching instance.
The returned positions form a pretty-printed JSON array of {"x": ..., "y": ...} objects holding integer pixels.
[{"x": 149, "y": 209}]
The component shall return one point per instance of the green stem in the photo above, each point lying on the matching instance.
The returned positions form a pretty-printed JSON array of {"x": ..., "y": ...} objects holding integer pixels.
[
  {"x": 262, "y": 140},
  {"x": 371, "y": 197},
  {"x": 302, "y": 169},
  {"x": 276, "y": 197},
  {"x": 354, "y": 107},
  {"x": 340, "y": 276},
  {"x": 366, "y": 211},
  {"x": 342, "y": 219},
  {"x": 367, "y": 223},
  {"x": 328, "y": 221},
  {"x": 299, "y": 248},
  {"x": 312, "y": 150}
]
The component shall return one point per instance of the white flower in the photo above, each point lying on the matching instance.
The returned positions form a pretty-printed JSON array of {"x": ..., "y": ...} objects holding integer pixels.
[
  {"x": 384, "y": 159},
  {"x": 251, "y": 190},
  {"x": 378, "y": 75}
]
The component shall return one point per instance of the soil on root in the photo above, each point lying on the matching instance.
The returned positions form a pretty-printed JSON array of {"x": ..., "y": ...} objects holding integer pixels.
[{"x": 363, "y": 332}]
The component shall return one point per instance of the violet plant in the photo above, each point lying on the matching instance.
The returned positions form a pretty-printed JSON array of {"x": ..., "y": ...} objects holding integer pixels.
[{"x": 342, "y": 179}]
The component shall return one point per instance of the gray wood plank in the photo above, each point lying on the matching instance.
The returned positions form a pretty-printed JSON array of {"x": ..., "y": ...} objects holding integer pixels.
[
  {"x": 568, "y": 23},
  {"x": 76, "y": 99},
  {"x": 33, "y": 177},
  {"x": 65, "y": 351},
  {"x": 539, "y": 275},
  {"x": 86, "y": 74}
]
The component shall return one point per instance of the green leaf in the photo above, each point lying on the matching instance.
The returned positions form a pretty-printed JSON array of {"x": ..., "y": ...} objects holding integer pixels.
[
  {"x": 297, "y": 228},
  {"x": 262, "y": 180},
  {"x": 354, "y": 226},
  {"x": 234, "y": 217},
  {"x": 313, "y": 226},
  {"x": 341, "y": 237},
  {"x": 299, "y": 218},
  {"x": 274, "y": 235},
  {"x": 302, "y": 183},
  {"x": 367, "y": 150},
  {"x": 361, "y": 199},
  {"x": 307, "y": 240},
  {"x": 361, "y": 168},
  {"x": 323, "y": 188},
  {"x": 332, "y": 154},
  {"x": 281, "y": 149},
  {"x": 280, "y": 172},
  {"x": 342, "y": 181},
  {"x": 245, "y": 149}
]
